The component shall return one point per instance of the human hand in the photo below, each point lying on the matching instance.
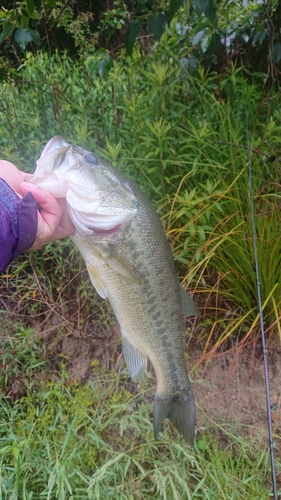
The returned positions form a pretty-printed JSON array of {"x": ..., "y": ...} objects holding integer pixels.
[{"x": 53, "y": 220}]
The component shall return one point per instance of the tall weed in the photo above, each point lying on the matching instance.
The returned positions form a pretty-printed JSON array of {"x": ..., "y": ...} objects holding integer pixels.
[{"x": 187, "y": 148}]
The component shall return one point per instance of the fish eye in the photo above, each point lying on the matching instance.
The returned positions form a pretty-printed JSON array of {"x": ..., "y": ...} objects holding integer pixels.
[{"x": 91, "y": 159}]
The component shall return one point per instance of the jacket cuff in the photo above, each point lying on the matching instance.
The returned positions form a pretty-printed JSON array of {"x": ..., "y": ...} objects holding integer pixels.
[{"x": 18, "y": 223}]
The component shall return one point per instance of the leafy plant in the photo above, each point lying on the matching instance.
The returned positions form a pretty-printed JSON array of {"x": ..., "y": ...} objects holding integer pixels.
[{"x": 188, "y": 136}]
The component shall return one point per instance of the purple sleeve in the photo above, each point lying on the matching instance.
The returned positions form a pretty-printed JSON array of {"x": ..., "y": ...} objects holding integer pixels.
[{"x": 18, "y": 223}]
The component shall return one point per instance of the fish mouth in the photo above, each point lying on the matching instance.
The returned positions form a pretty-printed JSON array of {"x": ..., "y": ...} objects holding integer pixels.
[
  {"x": 51, "y": 157},
  {"x": 48, "y": 164}
]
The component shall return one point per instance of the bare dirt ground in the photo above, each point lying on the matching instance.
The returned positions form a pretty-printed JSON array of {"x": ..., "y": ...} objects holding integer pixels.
[{"x": 230, "y": 389}]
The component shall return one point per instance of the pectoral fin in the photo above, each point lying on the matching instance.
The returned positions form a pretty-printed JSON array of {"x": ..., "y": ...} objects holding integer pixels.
[
  {"x": 189, "y": 306},
  {"x": 96, "y": 281},
  {"x": 121, "y": 265},
  {"x": 135, "y": 360}
]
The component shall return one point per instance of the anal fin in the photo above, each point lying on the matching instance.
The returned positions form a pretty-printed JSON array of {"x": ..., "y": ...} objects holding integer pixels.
[{"x": 135, "y": 360}]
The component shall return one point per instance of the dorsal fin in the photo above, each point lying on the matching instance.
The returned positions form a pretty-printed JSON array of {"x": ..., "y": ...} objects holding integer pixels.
[{"x": 189, "y": 306}]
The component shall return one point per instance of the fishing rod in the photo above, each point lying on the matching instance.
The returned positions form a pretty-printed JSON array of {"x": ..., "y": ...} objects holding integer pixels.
[{"x": 264, "y": 350}]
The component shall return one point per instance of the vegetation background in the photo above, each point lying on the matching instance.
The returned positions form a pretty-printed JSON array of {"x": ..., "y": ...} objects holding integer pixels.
[{"x": 183, "y": 96}]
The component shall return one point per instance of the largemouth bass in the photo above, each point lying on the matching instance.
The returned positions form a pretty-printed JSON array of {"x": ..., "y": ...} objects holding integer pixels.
[{"x": 130, "y": 263}]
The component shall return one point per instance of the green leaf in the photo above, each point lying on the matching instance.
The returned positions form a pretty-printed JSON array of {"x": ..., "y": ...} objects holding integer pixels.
[
  {"x": 51, "y": 3},
  {"x": 24, "y": 19},
  {"x": 101, "y": 52},
  {"x": 7, "y": 30},
  {"x": 131, "y": 35},
  {"x": 104, "y": 65},
  {"x": 196, "y": 39},
  {"x": 30, "y": 6},
  {"x": 157, "y": 25},
  {"x": 260, "y": 36},
  {"x": 25, "y": 36},
  {"x": 91, "y": 64},
  {"x": 189, "y": 63},
  {"x": 206, "y": 7},
  {"x": 173, "y": 8}
]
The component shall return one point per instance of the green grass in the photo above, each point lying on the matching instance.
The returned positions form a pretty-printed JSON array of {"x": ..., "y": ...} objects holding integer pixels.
[{"x": 66, "y": 440}]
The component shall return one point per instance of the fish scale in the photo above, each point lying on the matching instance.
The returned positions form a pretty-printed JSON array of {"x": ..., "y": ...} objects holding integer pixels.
[{"x": 130, "y": 262}]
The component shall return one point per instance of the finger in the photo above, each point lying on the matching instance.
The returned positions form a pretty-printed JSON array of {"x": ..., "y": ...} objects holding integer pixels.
[
  {"x": 50, "y": 212},
  {"x": 66, "y": 226},
  {"x": 54, "y": 222}
]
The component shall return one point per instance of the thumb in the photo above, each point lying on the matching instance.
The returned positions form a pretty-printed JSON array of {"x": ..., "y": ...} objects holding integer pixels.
[{"x": 50, "y": 212}]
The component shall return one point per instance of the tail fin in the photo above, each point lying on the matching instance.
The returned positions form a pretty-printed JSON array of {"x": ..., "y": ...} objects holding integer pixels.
[{"x": 180, "y": 409}]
